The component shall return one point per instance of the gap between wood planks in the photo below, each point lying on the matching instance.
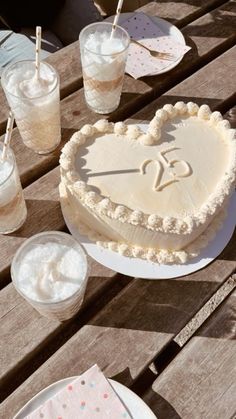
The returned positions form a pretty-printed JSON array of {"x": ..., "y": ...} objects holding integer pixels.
[
  {"x": 173, "y": 348},
  {"x": 199, "y": 13}
]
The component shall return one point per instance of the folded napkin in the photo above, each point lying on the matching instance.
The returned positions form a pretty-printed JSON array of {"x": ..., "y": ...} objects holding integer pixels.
[
  {"x": 140, "y": 63},
  {"x": 89, "y": 396}
]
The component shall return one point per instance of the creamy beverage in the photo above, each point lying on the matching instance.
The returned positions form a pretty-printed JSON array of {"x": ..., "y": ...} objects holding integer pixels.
[
  {"x": 35, "y": 104},
  {"x": 50, "y": 271},
  {"x": 103, "y": 62},
  {"x": 12, "y": 204}
]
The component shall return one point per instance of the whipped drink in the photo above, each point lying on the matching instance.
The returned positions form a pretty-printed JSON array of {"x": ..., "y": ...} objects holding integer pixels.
[
  {"x": 12, "y": 204},
  {"x": 35, "y": 104},
  {"x": 50, "y": 272},
  {"x": 103, "y": 63}
]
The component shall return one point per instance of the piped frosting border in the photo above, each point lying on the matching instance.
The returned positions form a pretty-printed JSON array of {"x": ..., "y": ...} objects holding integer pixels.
[
  {"x": 104, "y": 206},
  {"x": 161, "y": 256}
]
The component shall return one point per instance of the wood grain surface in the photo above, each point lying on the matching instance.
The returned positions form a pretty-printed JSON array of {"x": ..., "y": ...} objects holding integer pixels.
[
  {"x": 201, "y": 381},
  {"x": 127, "y": 335},
  {"x": 179, "y": 12}
]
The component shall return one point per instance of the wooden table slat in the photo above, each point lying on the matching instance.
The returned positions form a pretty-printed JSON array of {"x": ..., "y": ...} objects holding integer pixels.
[
  {"x": 34, "y": 334},
  {"x": 180, "y": 13},
  {"x": 209, "y": 85},
  {"x": 125, "y": 337},
  {"x": 201, "y": 381}
]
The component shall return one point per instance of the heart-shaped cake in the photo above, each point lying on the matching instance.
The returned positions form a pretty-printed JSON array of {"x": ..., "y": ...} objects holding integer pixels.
[{"x": 158, "y": 195}]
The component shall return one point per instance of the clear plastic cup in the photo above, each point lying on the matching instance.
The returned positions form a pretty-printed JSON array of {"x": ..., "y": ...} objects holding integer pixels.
[
  {"x": 33, "y": 277},
  {"x": 103, "y": 73},
  {"x": 36, "y": 109},
  {"x": 13, "y": 210}
]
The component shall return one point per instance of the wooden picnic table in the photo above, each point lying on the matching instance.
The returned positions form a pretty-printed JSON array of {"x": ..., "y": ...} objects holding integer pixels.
[{"x": 130, "y": 326}]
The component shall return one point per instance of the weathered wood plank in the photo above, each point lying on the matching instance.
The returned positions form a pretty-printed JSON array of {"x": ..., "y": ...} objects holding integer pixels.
[
  {"x": 67, "y": 61},
  {"x": 131, "y": 330},
  {"x": 178, "y": 12},
  {"x": 208, "y": 85},
  {"x": 201, "y": 381},
  {"x": 18, "y": 321},
  {"x": 36, "y": 335}
]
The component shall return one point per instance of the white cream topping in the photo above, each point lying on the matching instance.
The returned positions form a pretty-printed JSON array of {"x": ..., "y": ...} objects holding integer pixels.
[
  {"x": 26, "y": 84},
  {"x": 180, "y": 172},
  {"x": 110, "y": 165},
  {"x": 51, "y": 272}
]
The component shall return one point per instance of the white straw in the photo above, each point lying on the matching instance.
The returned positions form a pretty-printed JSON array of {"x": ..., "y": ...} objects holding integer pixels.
[
  {"x": 7, "y": 138},
  {"x": 38, "y": 48},
  {"x": 116, "y": 18}
]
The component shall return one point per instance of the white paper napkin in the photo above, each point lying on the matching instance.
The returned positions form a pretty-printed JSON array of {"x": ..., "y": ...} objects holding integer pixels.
[
  {"x": 140, "y": 63},
  {"x": 89, "y": 396}
]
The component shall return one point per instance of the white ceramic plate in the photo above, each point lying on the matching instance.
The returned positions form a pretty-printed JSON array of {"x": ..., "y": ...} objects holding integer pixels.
[
  {"x": 136, "y": 406},
  {"x": 144, "y": 269},
  {"x": 166, "y": 27}
]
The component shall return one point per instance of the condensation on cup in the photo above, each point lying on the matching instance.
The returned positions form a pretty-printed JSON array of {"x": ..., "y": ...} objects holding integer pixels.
[
  {"x": 103, "y": 64},
  {"x": 50, "y": 271},
  {"x": 12, "y": 204},
  {"x": 35, "y": 103}
]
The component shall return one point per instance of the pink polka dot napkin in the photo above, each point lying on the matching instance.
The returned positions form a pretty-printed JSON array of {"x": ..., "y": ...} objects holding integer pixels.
[
  {"x": 140, "y": 63},
  {"x": 89, "y": 396}
]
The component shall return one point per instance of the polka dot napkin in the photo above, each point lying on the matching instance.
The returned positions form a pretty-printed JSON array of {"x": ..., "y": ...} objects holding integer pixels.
[
  {"x": 89, "y": 396},
  {"x": 140, "y": 63}
]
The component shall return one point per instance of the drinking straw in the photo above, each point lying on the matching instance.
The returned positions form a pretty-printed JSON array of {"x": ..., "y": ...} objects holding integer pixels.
[
  {"x": 7, "y": 137},
  {"x": 38, "y": 48},
  {"x": 116, "y": 18}
]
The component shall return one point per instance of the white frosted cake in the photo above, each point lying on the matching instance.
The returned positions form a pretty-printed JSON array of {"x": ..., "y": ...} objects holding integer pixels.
[{"x": 159, "y": 195}]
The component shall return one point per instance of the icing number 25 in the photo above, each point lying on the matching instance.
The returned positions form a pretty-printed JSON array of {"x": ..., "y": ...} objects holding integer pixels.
[{"x": 164, "y": 163}]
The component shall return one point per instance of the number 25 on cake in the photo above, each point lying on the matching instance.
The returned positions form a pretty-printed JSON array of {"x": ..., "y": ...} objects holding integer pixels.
[{"x": 159, "y": 195}]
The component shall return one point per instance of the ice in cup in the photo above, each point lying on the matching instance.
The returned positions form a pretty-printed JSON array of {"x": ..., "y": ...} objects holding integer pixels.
[
  {"x": 12, "y": 204},
  {"x": 35, "y": 103},
  {"x": 103, "y": 63},
  {"x": 50, "y": 271}
]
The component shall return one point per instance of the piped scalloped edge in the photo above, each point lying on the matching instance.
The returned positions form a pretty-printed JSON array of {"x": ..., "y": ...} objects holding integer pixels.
[
  {"x": 160, "y": 256},
  {"x": 103, "y": 205}
]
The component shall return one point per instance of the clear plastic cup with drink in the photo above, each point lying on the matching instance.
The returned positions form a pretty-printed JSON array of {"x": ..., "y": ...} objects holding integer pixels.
[
  {"x": 35, "y": 103},
  {"x": 12, "y": 204},
  {"x": 50, "y": 271},
  {"x": 103, "y": 63}
]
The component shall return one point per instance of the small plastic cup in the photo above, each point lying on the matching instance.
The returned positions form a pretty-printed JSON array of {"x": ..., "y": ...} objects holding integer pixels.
[
  {"x": 61, "y": 308},
  {"x": 103, "y": 73},
  {"x": 13, "y": 210},
  {"x": 38, "y": 116}
]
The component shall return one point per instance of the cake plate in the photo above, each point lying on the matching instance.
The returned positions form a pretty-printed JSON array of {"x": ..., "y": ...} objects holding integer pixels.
[
  {"x": 167, "y": 28},
  {"x": 145, "y": 269}
]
